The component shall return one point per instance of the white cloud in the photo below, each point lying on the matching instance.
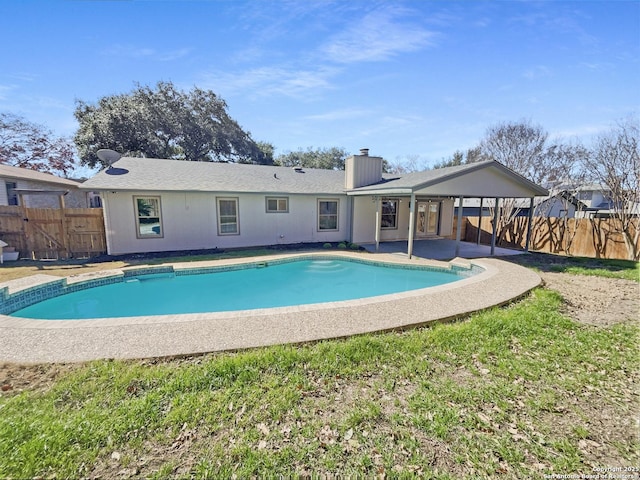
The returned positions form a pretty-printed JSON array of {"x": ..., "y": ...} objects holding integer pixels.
[
  {"x": 266, "y": 81},
  {"x": 4, "y": 90},
  {"x": 539, "y": 71},
  {"x": 129, "y": 51},
  {"x": 344, "y": 114},
  {"x": 380, "y": 35}
]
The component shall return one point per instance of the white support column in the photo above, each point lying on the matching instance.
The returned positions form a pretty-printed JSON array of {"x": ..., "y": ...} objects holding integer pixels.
[
  {"x": 495, "y": 226},
  {"x": 459, "y": 224},
  {"x": 480, "y": 221},
  {"x": 529, "y": 225},
  {"x": 378, "y": 221},
  {"x": 412, "y": 209}
]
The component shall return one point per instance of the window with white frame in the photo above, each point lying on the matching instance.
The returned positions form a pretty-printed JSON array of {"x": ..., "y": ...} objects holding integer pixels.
[
  {"x": 327, "y": 214},
  {"x": 148, "y": 217},
  {"x": 277, "y": 204},
  {"x": 228, "y": 216},
  {"x": 389, "y": 218}
]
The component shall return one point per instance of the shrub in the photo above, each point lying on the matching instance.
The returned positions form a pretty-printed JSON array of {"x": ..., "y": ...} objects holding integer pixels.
[
  {"x": 327, "y": 245},
  {"x": 342, "y": 245}
]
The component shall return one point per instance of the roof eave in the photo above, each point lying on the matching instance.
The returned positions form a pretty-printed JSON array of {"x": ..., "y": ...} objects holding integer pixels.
[{"x": 381, "y": 191}]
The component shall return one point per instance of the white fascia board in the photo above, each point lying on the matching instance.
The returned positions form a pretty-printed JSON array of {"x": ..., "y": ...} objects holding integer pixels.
[{"x": 386, "y": 193}]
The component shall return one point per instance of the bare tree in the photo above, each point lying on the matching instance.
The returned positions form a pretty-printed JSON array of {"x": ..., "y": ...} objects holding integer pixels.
[
  {"x": 526, "y": 149},
  {"x": 407, "y": 164},
  {"x": 615, "y": 164},
  {"x": 29, "y": 145}
]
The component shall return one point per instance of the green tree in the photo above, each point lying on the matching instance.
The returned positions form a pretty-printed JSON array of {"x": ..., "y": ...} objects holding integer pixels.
[
  {"x": 329, "y": 158},
  {"x": 456, "y": 159},
  {"x": 29, "y": 145},
  {"x": 267, "y": 150},
  {"x": 164, "y": 123}
]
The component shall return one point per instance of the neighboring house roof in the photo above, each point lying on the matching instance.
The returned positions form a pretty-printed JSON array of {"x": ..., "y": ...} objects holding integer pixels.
[
  {"x": 592, "y": 187},
  {"x": 153, "y": 174},
  {"x": 18, "y": 173},
  {"x": 416, "y": 181}
]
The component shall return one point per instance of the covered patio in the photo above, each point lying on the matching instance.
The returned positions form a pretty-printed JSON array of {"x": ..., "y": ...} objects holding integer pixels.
[
  {"x": 417, "y": 210},
  {"x": 441, "y": 249}
]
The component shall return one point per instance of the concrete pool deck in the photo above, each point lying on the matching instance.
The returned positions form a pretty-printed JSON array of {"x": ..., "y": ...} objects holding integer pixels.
[{"x": 35, "y": 341}]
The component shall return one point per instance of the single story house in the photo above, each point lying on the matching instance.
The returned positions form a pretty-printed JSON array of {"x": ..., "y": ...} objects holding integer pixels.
[
  {"x": 153, "y": 205},
  {"x": 32, "y": 189}
]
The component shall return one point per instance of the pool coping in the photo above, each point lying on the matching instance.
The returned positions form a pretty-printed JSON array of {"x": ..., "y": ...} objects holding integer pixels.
[{"x": 35, "y": 341}]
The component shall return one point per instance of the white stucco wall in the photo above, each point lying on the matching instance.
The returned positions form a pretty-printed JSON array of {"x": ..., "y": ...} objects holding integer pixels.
[
  {"x": 365, "y": 215},
  {"x": 189, "y": 222},
  {"x": 446, "y": 217}
]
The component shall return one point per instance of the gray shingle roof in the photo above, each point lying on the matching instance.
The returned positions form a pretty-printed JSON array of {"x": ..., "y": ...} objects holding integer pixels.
[
  {"x": 152, "y": 174},
  {"x": 18, "y": 173},
  {"x": 418, "y": 180},
  {"x": 414, "y": 179}
]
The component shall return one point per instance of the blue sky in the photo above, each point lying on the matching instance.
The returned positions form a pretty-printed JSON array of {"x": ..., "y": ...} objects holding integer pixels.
[{"x": 403, "y": 78}]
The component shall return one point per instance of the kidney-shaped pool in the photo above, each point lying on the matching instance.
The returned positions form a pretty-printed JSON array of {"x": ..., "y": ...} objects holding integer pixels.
[{"x": 242, "y": 287}]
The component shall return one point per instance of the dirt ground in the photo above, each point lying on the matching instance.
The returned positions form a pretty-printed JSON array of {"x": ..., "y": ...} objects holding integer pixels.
[
  {"x": 588, "y": 299},
  {"x": 596, "y": 300}
]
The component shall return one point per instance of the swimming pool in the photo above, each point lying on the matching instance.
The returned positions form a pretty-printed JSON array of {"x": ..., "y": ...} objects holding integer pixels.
[{"x": 257, "y": 285}]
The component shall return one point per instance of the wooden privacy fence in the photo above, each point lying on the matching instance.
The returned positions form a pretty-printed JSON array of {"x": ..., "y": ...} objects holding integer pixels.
[
  {"x": 580, "y": 237},
  {"x": 53, "y": 233}
]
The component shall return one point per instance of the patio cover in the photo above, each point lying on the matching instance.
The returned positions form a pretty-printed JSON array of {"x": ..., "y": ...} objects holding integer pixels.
[{"x": 488, "y": 179}]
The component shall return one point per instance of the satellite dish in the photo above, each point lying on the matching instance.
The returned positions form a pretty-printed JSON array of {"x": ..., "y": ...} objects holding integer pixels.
[{"x": 108, "y": 156}]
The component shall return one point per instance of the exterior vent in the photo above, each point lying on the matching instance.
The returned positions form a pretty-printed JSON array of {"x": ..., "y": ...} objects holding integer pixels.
[{"x": 364, "y": 152}]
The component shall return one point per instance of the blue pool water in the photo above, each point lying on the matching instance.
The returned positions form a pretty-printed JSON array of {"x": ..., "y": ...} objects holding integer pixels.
[{"x": 285, "y": 284}]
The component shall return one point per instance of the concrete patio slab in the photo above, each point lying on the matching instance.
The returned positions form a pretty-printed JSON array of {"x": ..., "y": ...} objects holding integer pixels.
[
  {"x": 441, "y": 249},
  {"x": 34, "y": 341}
]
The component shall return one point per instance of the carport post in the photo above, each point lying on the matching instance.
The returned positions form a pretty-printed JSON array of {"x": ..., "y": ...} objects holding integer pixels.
[
  {"x": 480, "y": 221},
  {"x": 459, "y": 224},
  {"x": 378, "y": 222},
  {"x": 529, "y": 225},
  {"x": 412, "y": 209},
  {"x": 495, "y": 226}
]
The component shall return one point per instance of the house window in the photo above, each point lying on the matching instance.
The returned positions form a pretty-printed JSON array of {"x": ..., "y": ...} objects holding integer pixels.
[
  {"x": 95, "y": 201},
  {"x": 277, "y": 205},
  {"x": 228, "y": 216},
  {"x": 389, "y": 220},
  {"x": 12, "y": 196},
  {"x": 148, "y": 217},
  {"x": 327, "y": 215}
]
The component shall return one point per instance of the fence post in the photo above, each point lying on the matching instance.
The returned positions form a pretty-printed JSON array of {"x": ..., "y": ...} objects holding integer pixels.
[{"x": 63, "y": 231}]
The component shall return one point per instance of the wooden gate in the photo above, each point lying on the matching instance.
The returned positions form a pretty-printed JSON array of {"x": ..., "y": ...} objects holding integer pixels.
[{"x": 53, "y": 233}]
